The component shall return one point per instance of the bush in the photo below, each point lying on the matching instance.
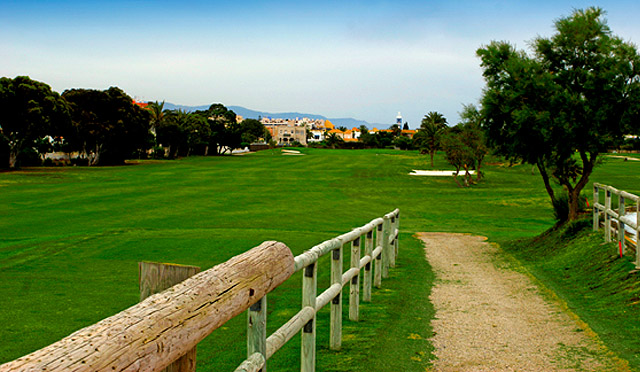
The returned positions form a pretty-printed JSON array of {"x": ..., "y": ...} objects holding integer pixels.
[
  {"x": 80, "y": 162},
  {"x": 561, "y": 206},
  {"x": 158, "y": 152},
  {"x": 29, "y": 157}
]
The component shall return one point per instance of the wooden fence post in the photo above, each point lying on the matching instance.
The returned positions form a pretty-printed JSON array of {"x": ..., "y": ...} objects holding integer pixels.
[
  {"x": 621, "y": 213},
  {"x": 354, "y": 286},
  {"x": 392, "y": 246},
  {"x": 366, "y": 286},
  {"x": 309, "y": 289},
  {"x": 335, "y": 331},
  {"x": 386, "y": 226},
  {"x": 397, "y": 236},
  {"x": 638, "y": 234},
  {"x": 607, "y": 217},
  {"x": 156, "y": 277},
  {"x": 596, "y": 211},
  {"x": 377, "y": 279},
  {"x": 257, "y": 330}
]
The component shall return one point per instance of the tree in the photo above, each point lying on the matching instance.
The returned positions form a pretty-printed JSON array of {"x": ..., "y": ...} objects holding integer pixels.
[
  {"x": 158, "y": 114},
  {"x": 225, "y": 131},
  {"x": 432, "y": 126},
  {"x": 465, "y": 149},
  {"x": 171, "y": 128},
  {"x": 110, "y": 127},
  {"x": 342, "y": 128},
  {"x": 473, "y": 136},
  {"x": 395, "y": 130},
  {"x": 402, "y": 142},
  {"x": 565, "y": 105},
  {"x": 333, "y": 139},
  {"x": 251, "y": 130},
  {"x": 30, "y": 111},
  {"x": 406, "y": 126}
]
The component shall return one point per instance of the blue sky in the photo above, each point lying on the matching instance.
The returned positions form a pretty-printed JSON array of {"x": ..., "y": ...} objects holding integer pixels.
[{"x": 365, "y": 59}]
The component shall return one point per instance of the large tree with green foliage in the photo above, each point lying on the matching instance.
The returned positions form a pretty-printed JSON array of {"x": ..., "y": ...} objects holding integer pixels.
[
  {"x": 111, "y": 128},
  {"x": 30, "y": 110},
  {"x": 569, "y": 102},
  {"x": 251, "y": 130},
  {"x": 224, "y": 129},
  {"x": 431, "y": 128}
]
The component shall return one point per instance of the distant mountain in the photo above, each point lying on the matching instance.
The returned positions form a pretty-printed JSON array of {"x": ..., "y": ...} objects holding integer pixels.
[{"x": 253, "y": 114}]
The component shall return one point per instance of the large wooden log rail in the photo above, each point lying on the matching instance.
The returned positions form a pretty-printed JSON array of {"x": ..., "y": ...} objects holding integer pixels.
[
  {"x": 153, "y": 334},
  {"x": 617, "y": 216}
]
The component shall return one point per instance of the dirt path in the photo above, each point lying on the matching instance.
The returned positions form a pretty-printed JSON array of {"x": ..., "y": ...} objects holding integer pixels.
[{"x": 492, "y": 318}]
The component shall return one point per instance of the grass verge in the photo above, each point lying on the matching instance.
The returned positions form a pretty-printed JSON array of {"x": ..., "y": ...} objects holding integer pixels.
[{"x": 590, "y": 277}]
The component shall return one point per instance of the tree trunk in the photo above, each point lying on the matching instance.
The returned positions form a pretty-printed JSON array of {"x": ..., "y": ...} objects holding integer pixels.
[
  {"x": 479, "y": 173},
  {"x": 545, "y": 178},
  {"x": 455, "y": 177},
  {"x": 206, "y": 150},
  {"x": 574, "y": 195},
  {"x": 574, "y": 192},
  {"x": 431, "y": 153},
  {"x": 13, "y": 158}
]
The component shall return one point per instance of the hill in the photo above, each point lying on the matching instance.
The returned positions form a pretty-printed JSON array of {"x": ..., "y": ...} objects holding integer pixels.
[{"x": 254, "y": 114}]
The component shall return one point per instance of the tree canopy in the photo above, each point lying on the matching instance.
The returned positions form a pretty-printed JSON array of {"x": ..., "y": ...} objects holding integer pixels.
[
  {"x": 431, "y": 128},
  {"x": 30, "y": 111},
  {"x": 110, "y": 126},
  {"x": 563, "y": 106}
]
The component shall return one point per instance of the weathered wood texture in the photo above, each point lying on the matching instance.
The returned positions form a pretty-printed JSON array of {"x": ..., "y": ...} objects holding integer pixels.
[
  {"x": 308, "y": 343},
  {"x": 354, "y": 286},
  {"x": 154, "y": 278},
  {"x": 335, "y": 330},
  {"x": 368, "y": 277},
  {"x": 157, "y": 331},
  {"x": 257, "y": 329},
  {"x": 254, "y": 363},
  {"x": 377, "y": 277}
]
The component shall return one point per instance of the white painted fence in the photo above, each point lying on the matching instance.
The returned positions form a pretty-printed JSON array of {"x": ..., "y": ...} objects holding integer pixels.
[{"x": 622, "y": 222}]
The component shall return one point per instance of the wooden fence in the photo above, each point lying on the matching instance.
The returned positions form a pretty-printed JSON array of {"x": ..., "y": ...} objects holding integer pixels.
[
  {"x": 165, "y": 327},
  {"x": 615, "y": 220}
]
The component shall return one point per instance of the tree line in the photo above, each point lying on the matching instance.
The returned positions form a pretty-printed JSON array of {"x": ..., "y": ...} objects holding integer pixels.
[{"x": 106, "y": 127}]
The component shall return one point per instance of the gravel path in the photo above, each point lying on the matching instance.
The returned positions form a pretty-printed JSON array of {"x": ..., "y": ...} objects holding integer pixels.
[{"x": 492, "y": 318}]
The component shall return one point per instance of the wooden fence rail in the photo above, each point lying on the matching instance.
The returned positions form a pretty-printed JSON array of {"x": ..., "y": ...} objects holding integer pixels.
[
  {"x": 615, "y": 220},
  {"x": 164, "y": 327},
  {"x": 377, "y": 258}
]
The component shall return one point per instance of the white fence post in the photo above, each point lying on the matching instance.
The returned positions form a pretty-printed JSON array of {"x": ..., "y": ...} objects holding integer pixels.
[
  {"x": 335, "y": 331},
  {"x": 377, "y": 279},
  {"x": 257, "y": 330},
  {"x": 596, "y": 210},
  {"x": 354, "y": 287},
  {"x": 621, "y": 212},
  {"x": 309, "y": 289},
  {"x": 386, "y": 247},
  {"x": 607, "y": 217},
  {"x": 368, "y": 277}
]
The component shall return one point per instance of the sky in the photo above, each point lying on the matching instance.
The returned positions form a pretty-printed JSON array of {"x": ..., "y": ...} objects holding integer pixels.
[{"x": 363, "y": 59}]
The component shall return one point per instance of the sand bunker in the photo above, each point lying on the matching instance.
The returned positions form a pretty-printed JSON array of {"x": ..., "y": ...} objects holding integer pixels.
[
  {"x": 291, "y": 152},
  {"x": 437, "y": 173}
]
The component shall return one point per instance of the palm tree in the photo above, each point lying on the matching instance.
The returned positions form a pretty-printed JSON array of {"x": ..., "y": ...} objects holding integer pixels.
[
  {"x": 432, "y": 126},
  {"x": 157, "y": 115}
]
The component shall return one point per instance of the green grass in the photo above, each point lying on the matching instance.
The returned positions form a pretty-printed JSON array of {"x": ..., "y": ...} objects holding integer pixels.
[{"x": 71, "y": 239}]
